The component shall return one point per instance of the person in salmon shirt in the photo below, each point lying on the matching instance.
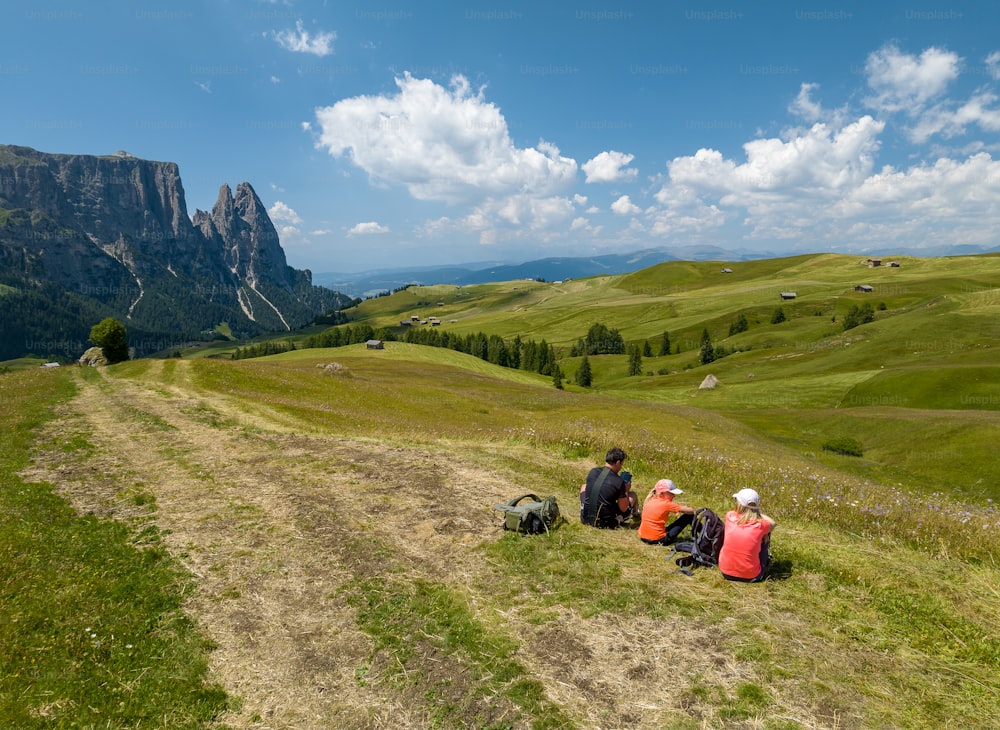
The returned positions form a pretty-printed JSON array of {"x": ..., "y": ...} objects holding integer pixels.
[
  {"x": 746, "y": 549},
  {"x": 657, "y": 509}
]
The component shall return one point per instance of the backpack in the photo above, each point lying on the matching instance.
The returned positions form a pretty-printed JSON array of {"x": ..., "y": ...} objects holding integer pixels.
[
  {"x": 707, "y": 533},
  {"x": 529, "y": 518}
]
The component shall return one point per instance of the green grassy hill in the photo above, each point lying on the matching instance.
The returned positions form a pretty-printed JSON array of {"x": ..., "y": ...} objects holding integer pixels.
[
  {"x": 313, "y": 534},
  {"x": 925, "y": 371}
]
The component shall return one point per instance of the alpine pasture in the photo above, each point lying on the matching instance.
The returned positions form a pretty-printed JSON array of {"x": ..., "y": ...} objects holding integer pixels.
[{"x": 307, "y": 540}]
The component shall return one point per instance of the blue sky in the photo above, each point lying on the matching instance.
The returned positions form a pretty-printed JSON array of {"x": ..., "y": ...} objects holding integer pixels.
[{"x": 397, "y": 134}]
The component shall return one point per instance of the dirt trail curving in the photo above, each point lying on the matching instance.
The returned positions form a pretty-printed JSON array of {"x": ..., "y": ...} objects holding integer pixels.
[
  {"x": 263, "y": 517},
  {"x": 266, "y": 513}
]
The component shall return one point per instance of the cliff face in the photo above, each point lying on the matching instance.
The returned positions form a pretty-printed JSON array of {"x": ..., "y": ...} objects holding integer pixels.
[{"x": 115, "y": 230}]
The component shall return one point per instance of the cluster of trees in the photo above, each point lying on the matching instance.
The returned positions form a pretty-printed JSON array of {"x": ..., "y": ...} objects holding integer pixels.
[
  {"x": 270, "y": 347},
  {"x": 858, "y": 315},
  {"x": 330, "y": 318},
  {"x": 536, "y": 357},
  {"x": 739, "y": 325},
  {"x": 351, "y": 335},
  {"x": 599, "y": 341}
]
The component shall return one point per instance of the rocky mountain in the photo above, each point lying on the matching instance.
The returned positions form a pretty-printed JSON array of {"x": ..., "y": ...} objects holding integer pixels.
[{"x": 87, "y": 237}]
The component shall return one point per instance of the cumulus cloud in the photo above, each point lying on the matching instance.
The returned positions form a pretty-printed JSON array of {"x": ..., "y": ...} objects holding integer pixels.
[
  {"x": 821, "y": 186},
  {"x": 980, "y": 110},
  {"x": 281, "y": 212},
  {"x": 625, "y": 206},
  {"x": 367, "y": 228},
  {"x": 609, "y": 167},
  {"x": 302, "y": 41},
  {"x": 905, "y": 82},
  {"x": 916, "y": 86},
  {"x": 781, "y": 188},
  {"x": 442, "y": 144}
]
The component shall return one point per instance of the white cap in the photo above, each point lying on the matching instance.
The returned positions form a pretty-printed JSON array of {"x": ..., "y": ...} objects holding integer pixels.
[
  {"x": 665, "y": 485},
  {"x": 747, "y": 498}
]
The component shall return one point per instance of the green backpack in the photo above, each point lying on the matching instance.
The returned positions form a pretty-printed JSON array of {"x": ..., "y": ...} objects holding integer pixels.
[{"x": 529, "y": 518}]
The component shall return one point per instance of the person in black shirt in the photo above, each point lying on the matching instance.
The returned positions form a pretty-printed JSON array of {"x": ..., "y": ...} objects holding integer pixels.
[{"x": 606, "y": 498}]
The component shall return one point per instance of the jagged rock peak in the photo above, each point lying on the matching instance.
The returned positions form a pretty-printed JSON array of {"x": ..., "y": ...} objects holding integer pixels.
[{"x": 247, "y": 202}]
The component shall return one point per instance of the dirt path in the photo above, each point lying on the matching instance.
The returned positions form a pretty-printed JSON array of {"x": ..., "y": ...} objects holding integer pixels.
[
  {"x": 276, "y": 520},
  {"x": 263, "y": 516}
]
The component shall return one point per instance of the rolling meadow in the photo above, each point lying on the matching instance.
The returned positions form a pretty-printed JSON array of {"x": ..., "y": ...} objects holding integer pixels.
[{"x": 308, "y": 539}]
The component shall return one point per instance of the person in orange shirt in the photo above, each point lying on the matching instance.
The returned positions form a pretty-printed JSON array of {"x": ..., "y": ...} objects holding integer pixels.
[
  {"x": 657, "y": 509},
  {"x": 746, "y": 549}
]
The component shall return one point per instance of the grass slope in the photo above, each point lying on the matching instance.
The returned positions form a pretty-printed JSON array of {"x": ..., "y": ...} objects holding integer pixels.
[
  {"x": 337, "y": 527},
  {"x": 326, "y": 515},
  {"x": 924, "y": 372}
]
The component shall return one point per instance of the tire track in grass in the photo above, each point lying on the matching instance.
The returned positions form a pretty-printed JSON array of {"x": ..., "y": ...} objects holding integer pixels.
[{"x": 277, "y": 532}]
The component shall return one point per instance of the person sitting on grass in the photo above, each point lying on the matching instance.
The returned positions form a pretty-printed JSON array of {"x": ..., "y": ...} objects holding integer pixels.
[
  {"x": 606, "y": 499},
  {"x": 746, "y": 549},
  {"x": 657, "y": 509}
]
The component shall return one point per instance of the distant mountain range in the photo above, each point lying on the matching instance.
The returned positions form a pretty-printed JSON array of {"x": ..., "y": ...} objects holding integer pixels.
[
  {"x": 556, "y": 268},
  {"x": 88, "y": 237},
  {"x": 370, "y": 283}
]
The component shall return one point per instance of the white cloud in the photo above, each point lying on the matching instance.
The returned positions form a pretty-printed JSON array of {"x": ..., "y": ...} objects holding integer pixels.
[
  {"x": 916, "y": 86},
  {"x": 608, "y": 167},
  {"x": 805, "y": 107},
  {"x": 820, "y": 188},
  {"x": 980, "y": 110},
  {"x": 904, "y": 82},
  {"x": 443, "y": 144},
  {"x": 290, "y": 236},
  {"x": 368, "y": 228},
  {"x": 780, "y": 190},
  {"x": 625, "y": 206},
  {"x": 302, "y": 41},
  {"x": 993, "y": 64},
  {"x": 281, "y": 212}
]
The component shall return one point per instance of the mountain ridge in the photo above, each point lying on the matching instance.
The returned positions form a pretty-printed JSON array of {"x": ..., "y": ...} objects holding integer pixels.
[
  {"x": 375, "y": 281},
  {"x": 84, "y": 237}
]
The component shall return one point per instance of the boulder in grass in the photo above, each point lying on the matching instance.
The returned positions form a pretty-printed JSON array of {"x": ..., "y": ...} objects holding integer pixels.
[
  {"x": 709, "y": 382},
  {"x": 93, "y": 357}
]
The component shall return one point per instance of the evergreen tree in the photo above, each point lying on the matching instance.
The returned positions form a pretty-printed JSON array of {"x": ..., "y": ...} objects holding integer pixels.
[
  {"x": 602, "y": 341},
  {"x": 778, "y": 317},
  {"x": 583, "y": 375},
  {"x": 665, "y": 344},
  {"x": 634, "y": 360},
  {"x": 110, "y": 335},
  {"x": 546, "y": 358},
  {"x": 647, "y": 349},
  {"x": 529, "y": 356},
  {"x": 514, "y": 353},
  {"x": 740, "y": 325},
  {"x": 557, "y": 377},
  {"x": 707, "y": 351},
  {"x": 496, "y": 350}
]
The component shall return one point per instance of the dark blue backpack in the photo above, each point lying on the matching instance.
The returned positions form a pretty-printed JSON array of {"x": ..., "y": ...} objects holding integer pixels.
[{"x": 707, "y": 533}]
